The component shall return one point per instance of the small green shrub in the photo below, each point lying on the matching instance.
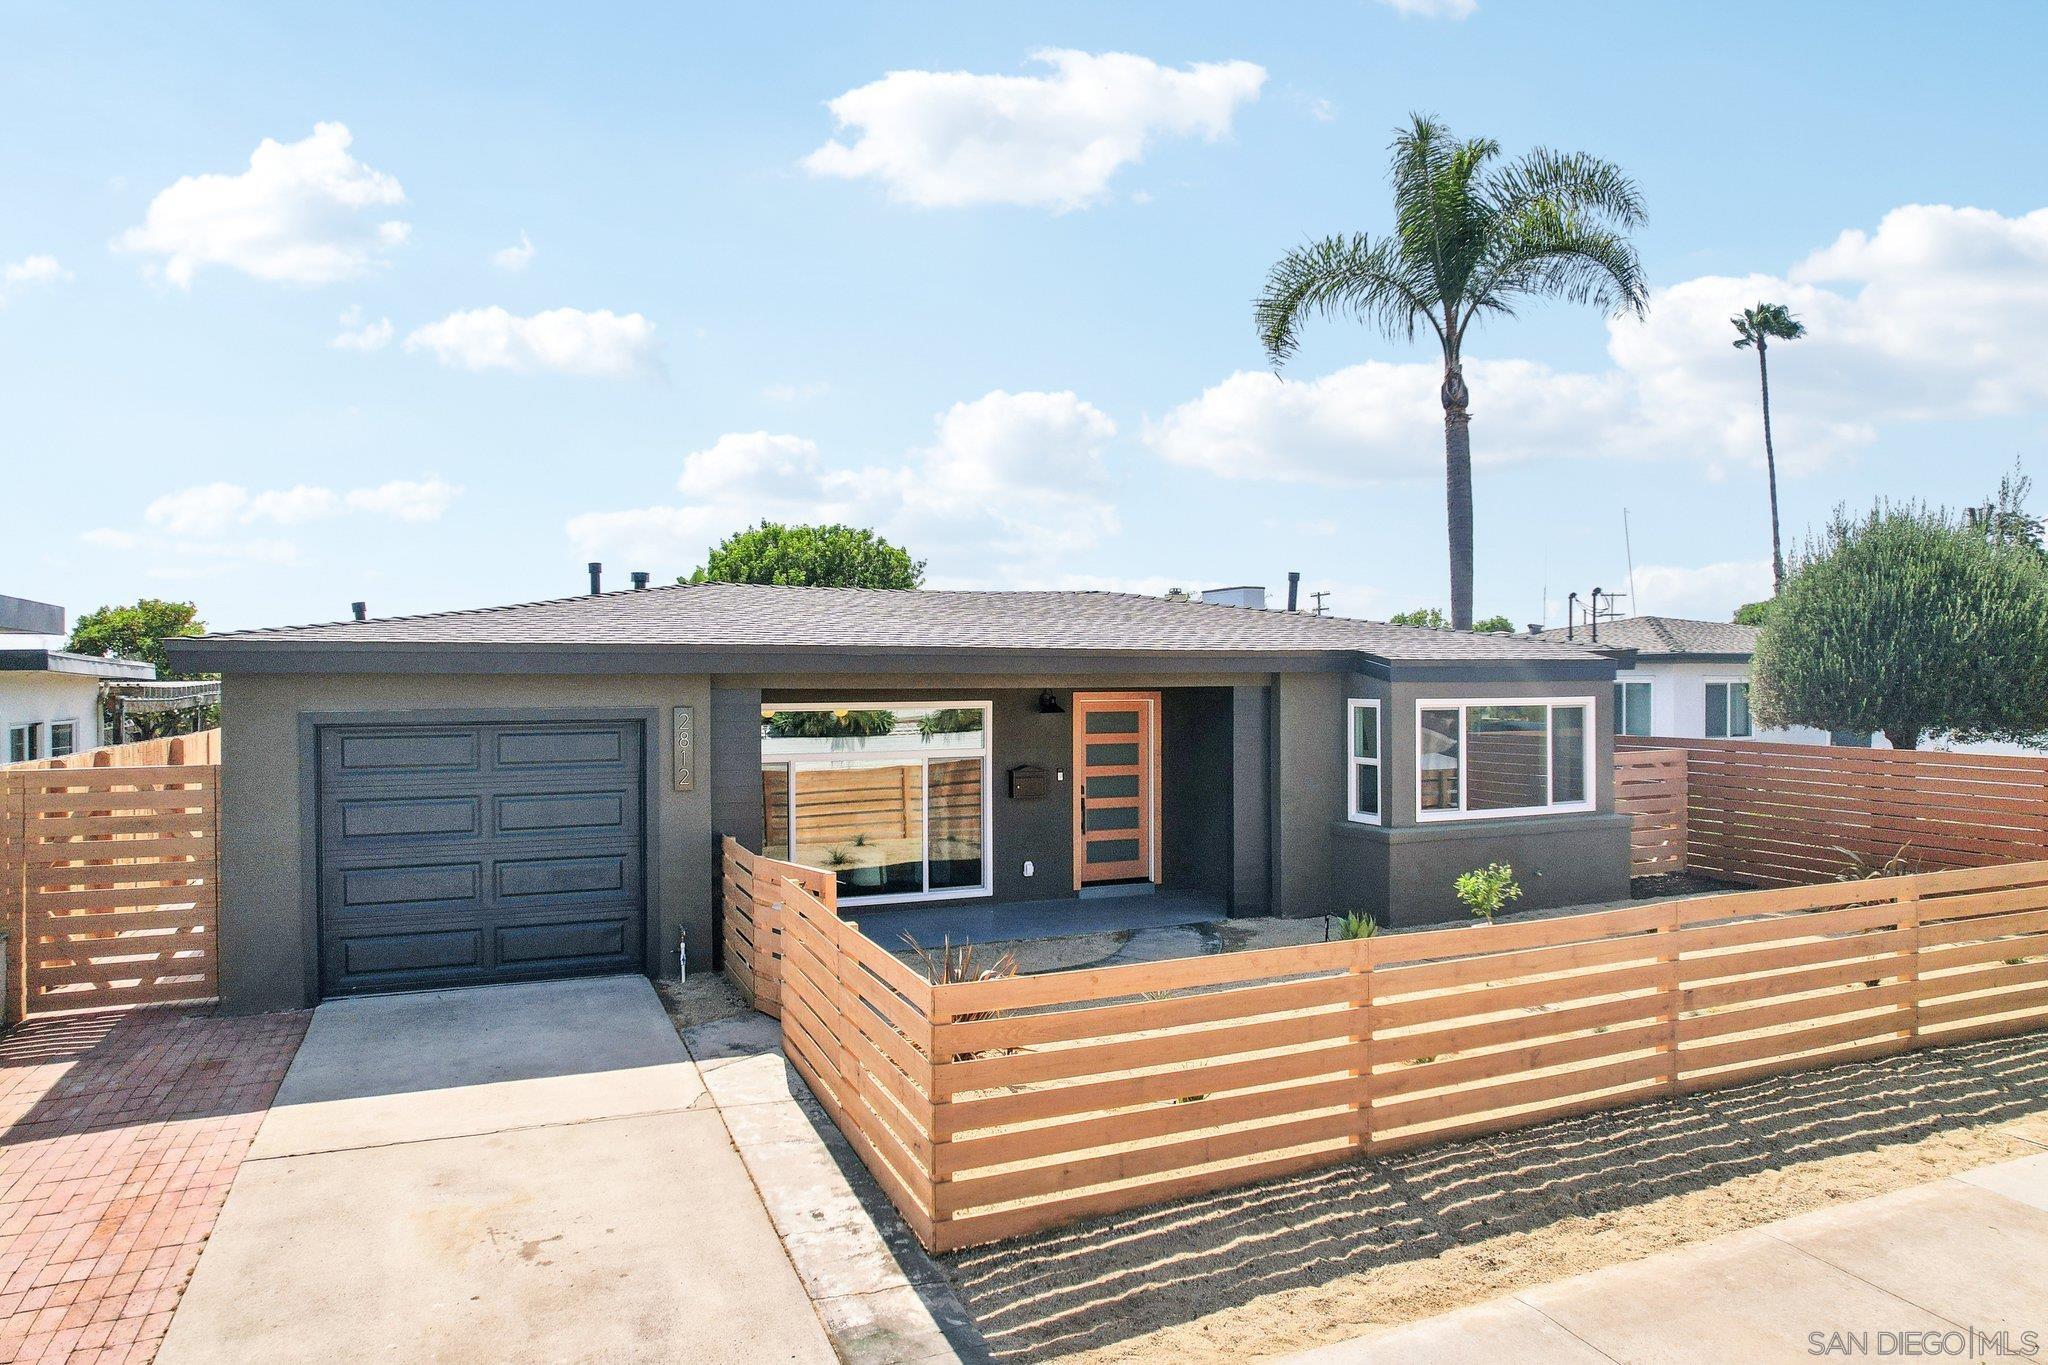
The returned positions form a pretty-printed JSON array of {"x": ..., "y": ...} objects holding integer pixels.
[
  {"x": 1486, "y": 891},
  {"x": 837, "y": 857},
  {"x": 1358, "y": 924}
]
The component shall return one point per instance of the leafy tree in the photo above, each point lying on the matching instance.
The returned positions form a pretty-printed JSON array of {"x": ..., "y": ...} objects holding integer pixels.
[
  {"x": 1496, "y": 625},
  {"x": 1754, "y": 613},
  {"x": 833, "y": 556},
  {"x": 2005, "y": 520},
  {"x": 1911, "y": 623},
  {"x": 1432, "y": 617},
  {"x": 136, "y": 632},
  {"x": 1758, "y": 327},
  {"x": 1471, "y": 237},
  {"x": 830, "y": 724}
]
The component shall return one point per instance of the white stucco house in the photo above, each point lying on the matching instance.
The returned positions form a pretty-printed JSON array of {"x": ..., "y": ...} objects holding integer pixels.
[
  {"x": 49, "y": 697},
  {"x": 1690, "y": 680}
]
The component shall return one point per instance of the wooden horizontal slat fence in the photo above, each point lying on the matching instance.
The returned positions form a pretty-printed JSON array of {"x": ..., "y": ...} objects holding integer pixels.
[
  {"x": 201, "y": 746},
  {"x": 993, "y": 1108},
  {"x": 111, "y": 876},
  {"x": 1649, "y": 787},
  {"x": 1792, "y": 814},
  {"x": 752, "y": 894},
  {"x": 833, "y": 805}
]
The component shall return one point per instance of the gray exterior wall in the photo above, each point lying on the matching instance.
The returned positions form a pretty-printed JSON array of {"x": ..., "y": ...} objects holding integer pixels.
[{"x": 266, "y": 909}]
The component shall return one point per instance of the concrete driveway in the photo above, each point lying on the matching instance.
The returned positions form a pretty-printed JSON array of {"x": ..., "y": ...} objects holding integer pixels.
[{"x": 518, "y": 1173}]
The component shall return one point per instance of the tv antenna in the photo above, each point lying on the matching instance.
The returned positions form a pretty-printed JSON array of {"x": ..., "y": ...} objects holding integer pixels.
[{"x": 1320, "y": 609}]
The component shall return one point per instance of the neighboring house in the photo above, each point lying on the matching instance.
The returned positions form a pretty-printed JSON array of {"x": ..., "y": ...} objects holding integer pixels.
[
  {"x": 49, "y": 698},
  {"x": 1690, "y": 679},
  {"x": 534, "y": 790}
]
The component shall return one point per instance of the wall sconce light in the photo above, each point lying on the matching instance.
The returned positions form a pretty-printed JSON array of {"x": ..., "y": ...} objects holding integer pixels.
[{"x": 1049, "y": 704}]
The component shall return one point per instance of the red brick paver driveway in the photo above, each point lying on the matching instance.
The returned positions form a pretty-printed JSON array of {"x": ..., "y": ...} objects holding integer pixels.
[{"x": 119, "y": 1137}]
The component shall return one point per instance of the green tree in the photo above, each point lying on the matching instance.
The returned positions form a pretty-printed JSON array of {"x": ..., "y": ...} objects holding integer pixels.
[
  {"x": 2006, "y": 520},
  {"x": 1472, "y": 237},
  {"x": 1758, "y": 327},
  {"x": 1433, "y": 617},
  {"x": 1495, "y": 625},
  {"x": 833, "y": 556},
  {"x": 1908, "y": 622},
  {"x": 136, "y": 632},
  {"x": 1754, "y": 613}
]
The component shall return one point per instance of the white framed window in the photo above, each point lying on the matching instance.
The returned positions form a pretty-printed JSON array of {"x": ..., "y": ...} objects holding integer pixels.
[
  {"x": 1484, "y": 758},
  {"x": 1362, "y": 767},
  {"x": 24, "y": 742},
  {"x": 1632, "y": 708},
  {"x": 1728, "y": 709},
  {"x": 63, "y": 737},
  {"x": 892, "y": 798}
]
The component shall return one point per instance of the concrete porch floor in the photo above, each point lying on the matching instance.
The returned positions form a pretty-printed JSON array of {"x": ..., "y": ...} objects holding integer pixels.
[{"x": 981, "y": 921}]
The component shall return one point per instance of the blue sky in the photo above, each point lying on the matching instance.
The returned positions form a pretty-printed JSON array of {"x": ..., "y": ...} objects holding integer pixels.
[{"x": 1002, "y": 314}]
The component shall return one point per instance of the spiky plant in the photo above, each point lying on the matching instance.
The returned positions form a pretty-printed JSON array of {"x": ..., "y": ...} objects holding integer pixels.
[
  {"x": 1758, "y": 327},
  {"x": 1473, "y": 236}
]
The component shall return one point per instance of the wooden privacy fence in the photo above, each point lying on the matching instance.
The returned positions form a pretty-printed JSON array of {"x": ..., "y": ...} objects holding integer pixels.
[
  {"x": 752, "y": 894},
  {"x": 1792, "y": 814},
  {"x": 992, "y": 1108},
  {"x": 109, "y": 875},
  {"x": 1649, "y": 786},
  {"x": 201, "y": 746}
]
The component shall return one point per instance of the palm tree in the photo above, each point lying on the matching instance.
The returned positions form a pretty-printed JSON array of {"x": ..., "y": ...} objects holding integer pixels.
[
  {"x": 1756, "y": 327},
  {"x": 1471, "y": 237}
]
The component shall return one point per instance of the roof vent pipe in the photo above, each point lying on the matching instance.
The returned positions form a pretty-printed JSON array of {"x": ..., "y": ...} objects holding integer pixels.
[
  {"x": 1293, "y": 590},
  {"x": 596, "y": 578},
  {"x": 361, "y": 610},
  {"x": 640, "y": 577},
  {"x": 1571, "y": 615},
  {"x": 1595, "y": 617}
]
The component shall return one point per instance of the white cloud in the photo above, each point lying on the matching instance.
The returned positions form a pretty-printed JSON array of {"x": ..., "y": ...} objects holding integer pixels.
[
  {"x": 358, "y": 335},
  {"x": 514, "y": 258},
  {"x": 1018, "y": 470},
  {"x": 304, "y": 212},
  {"x": 1710, "y": 592},
  {"x": 290, "y": 506},
  {"x": 206, "y": 510},
  {"x": 943, "y": 139},
  {"x": 405, "y": 499},
  {"x": 1937, "y": 315},
  {"x": 1433, "y": 9},
  {"x": 562, "y": 340},
  {"x": 39, "y": 269}
]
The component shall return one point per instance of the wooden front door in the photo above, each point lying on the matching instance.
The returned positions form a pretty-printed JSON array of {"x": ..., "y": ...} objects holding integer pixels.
[{"x": 1116, "y": 786}]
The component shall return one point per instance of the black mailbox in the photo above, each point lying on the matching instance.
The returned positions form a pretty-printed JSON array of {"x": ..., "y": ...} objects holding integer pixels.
[{"x": 1027, "y": 782}]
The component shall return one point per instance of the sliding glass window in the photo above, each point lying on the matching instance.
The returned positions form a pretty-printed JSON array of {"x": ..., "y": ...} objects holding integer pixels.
[
  {"x": 893, "y": 800},
  {"x": 1478, "y": 759}
]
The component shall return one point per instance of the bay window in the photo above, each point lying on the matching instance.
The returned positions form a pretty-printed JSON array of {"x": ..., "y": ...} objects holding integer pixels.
[
  {"x": 893, "y": 800},
  {"x": 1480, "y": 759}
]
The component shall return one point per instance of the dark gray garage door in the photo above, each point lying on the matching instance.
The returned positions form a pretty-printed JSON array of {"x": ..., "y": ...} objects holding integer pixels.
[{"x": 454, "y": 855}]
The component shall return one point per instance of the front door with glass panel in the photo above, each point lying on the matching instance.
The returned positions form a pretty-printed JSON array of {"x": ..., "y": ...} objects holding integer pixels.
[{"x": 1116, "y": 786}]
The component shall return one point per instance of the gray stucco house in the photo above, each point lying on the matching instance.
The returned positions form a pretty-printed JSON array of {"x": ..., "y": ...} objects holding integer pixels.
[{"x": 535, "y": 790}]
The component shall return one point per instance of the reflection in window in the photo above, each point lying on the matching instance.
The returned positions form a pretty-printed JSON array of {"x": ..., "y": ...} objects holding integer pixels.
[
  {"x": 891, "y": 801},
  {"x": 1502, "y": 757}
]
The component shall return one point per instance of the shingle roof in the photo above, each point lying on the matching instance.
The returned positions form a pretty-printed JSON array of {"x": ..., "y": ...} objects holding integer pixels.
[
  {"x": 729, "y": 616},
  {"x": 1651, "y": 636}
]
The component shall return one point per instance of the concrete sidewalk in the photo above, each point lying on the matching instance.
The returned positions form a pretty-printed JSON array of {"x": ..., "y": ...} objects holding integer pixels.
[
  {"x": 1965, "y": 1254},
  {"x": 510, "y": 1173}
]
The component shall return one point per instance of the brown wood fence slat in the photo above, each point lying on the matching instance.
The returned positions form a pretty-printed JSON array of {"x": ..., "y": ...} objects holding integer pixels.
[
  {"x": 201, "y": 746},
  {"x": 110, "y": 882},
  {"x": 990, "y": 1109},
  {"x": 1650, "y": 787}
]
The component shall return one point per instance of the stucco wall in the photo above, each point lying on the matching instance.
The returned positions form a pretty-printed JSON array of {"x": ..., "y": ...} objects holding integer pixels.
[
  {"x": 41, "y": 698},
  {"x": 1678, "y": 699},
  {"x": 265, "y": 907}
]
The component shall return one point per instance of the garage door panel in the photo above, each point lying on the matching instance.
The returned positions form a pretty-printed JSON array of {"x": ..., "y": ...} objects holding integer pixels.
[
  {"x": 559, "y": 748},
  {"x": 381, "y": 955},
  {"x": 460, "y": 855},
  {"x": 411, "y": 884},
  {"x": 517, "y": 879},
  {"x": 390, "y": 752},
  {"x": 593, "y": 940},
  {"x": 411, "y": 817},
  {"x": 562, "y": 812}
]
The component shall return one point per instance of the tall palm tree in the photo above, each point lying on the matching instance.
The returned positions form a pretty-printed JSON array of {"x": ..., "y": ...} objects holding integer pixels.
[
  {"x": 1472, "y": 236},
  {"x": 1757, "y": 327}
]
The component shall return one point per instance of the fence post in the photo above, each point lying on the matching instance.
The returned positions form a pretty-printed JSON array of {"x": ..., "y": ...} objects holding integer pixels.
[
  {"x": 1909, "y": 919},
  {"x": 1673, "y": 991},
  {"x": 1359, "y": 1003},
  {"x": 14, "y": 892}
]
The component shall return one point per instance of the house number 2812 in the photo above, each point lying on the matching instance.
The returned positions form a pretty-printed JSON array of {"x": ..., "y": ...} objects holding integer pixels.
[{"x": 686, "y": 748}]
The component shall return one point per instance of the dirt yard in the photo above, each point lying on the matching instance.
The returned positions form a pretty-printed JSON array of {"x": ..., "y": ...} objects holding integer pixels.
[{"x": 1332, "y": 1254}]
